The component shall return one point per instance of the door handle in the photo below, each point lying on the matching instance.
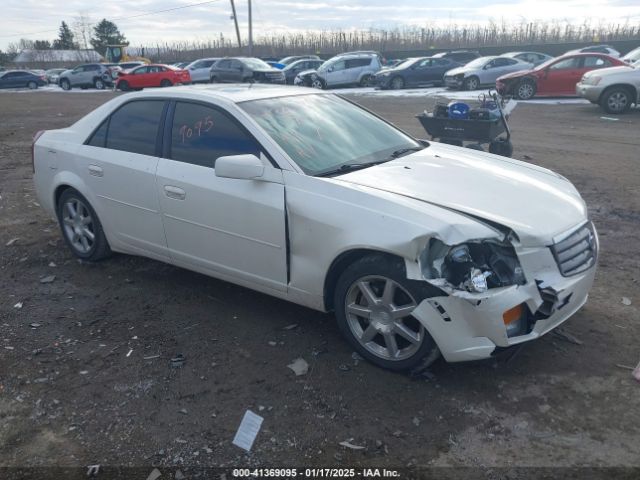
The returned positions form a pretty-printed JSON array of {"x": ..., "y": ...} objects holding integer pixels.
[
  {"x": 96, "y": 171},
  {"x": 174, "y": 192}
]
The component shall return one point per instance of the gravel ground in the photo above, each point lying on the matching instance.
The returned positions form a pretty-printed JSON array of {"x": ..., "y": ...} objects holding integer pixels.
[{"x": 85, "y": 374}]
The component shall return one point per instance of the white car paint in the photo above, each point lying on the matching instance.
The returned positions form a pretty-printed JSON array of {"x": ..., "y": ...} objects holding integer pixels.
[
  {"x": 282, "y": 232},
  {"x": 200, "y": 69}
]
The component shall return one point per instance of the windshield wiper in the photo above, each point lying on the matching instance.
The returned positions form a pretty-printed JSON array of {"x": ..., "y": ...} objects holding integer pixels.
[
  {"x": 403, "y": 151},
  {"x": 349, "y": 167}
]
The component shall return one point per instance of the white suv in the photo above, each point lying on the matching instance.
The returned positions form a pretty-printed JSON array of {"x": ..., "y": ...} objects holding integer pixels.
[
  {"x": 343, "y": 70},
  {"x": 615, "y": 89}
]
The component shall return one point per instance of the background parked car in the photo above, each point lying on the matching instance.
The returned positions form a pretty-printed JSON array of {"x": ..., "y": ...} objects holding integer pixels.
[
  {"x": 200, "y": 69},
  {"x": 244, "y": 69},
  {"x": 535, "y": 58},
  {"x": 632, "y": 57},
  {"x": 459, "y": 56},
  {"x": 130, "y": 65},
  {"x": 415, "y": 72},
  {"x": 94, "y": 75},
  {"x": 355, "y": 68},
  {"x": 294, "y": 58},
  {"x": 606, "y": 49},
  {"x": 156, "y": 75},
  {"x": 483, "y": 71},
  {"x": 53, "y": 74},
  {"x": 181, "y": 65},
  {"x": 615, "y": 89},
  {"x": 21, "y": 79},
  {"x": 294, "y": 68},
  {"x": 557, "y": 77}
]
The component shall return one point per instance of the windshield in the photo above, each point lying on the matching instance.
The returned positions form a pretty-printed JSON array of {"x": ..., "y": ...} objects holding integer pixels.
[
  {"x": 257, "y": 64},
  {"x": 406, "y": 63},
  {"x": 478, "y": 62},
  {"x": 323, "y": 132}
]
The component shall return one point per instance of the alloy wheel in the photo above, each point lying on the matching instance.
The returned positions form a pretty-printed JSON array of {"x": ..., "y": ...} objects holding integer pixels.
[
  {"x": 397, "y": 83},
  {"x": 317, "y": 83},
  {"x": 525, "y": 91},
  {"x": 78, "y": 225},
  {"x": 379, "y": 314},
  {"x": 617, "y": 102}
]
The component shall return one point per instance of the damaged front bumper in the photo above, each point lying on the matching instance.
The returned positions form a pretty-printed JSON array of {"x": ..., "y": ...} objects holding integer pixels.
[{"x": 471, "y": 326}]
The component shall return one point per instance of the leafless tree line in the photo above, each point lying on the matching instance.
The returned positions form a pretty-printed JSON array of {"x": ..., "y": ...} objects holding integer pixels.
[{"x": 401, "y": 39}]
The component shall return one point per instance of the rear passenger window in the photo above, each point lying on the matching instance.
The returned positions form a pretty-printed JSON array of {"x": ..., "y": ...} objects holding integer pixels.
[
  {"x": 201, "y": 134},
  {"x": 99, "y": 137},
  {"x": 134, "y": 127}
]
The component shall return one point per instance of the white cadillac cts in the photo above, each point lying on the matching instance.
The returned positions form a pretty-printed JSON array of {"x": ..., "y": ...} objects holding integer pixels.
[{"x": 419, "y": 248}]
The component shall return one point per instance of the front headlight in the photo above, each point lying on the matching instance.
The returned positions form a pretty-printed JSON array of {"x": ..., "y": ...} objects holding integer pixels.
[{"x": 475, "y": 266}]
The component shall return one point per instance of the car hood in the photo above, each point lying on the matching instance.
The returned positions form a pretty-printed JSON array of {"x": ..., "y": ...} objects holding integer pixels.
[
  {"x": 624, "y": 69},
  {"x": 536, "y": 203},
  {"x": 518, "y": 74},
  {"x": 459, "y": 70}
]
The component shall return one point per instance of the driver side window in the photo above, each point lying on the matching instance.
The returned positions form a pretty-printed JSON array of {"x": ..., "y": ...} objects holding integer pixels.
[
  {"x": 338, "y": 66},
  {"x": 566, "y": 64}
]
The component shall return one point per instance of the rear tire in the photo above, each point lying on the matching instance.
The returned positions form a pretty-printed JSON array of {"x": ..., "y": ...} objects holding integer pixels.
[
  {"x": 501, "y": 146},
  {"x": 65, "y": 84},
  {"x": 471, "y": 83},
  {"x": 366, "y": 81},
  {"x": 373, "y": 302},
  {"x": 81, "y": 228},
  {"x": 616, "y": 100},
  {"x": 32, "y": 85},
  {"x": 166, "y": 83},
  {"x": 123, "y": 85}
]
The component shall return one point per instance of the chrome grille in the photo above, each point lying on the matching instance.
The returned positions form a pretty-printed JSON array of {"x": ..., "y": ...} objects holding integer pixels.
[{"x": 577, "y": 252}]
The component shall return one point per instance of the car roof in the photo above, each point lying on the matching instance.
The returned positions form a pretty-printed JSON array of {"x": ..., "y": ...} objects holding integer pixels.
[{"x": 235, "y": 93}]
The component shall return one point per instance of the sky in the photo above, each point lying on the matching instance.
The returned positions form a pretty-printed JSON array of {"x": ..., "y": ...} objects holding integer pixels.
[{"x": 40, "y": 19}]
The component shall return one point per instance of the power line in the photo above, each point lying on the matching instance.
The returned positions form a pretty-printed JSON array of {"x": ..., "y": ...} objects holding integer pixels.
[{"x": 120, "y": 18}]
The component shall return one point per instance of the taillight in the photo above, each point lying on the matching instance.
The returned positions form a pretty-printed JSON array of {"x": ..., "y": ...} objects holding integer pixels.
[{"x": 33, "y": 145}]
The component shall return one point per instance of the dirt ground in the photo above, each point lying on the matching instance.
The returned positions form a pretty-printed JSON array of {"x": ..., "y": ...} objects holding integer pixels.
[{"x": 85, "y": 375}]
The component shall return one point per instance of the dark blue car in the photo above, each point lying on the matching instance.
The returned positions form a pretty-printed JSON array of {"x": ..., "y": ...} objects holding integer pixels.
[
  {"x": 21, "y": 79},
  {"x": 415, "y": 72}
]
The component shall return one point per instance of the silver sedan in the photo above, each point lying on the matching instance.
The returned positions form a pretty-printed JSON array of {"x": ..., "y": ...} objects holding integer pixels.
[{"x": 483, "y": 71}]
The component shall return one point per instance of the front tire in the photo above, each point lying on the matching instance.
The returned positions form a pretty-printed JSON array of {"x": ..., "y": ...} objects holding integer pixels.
[
  {"x": 616, "y": 100},
  {"x": 525, "y": 90},
  {"x": 471, "y": 83},
  {"x": 65, "y": 84},
  {"x": 166, "y": 83},
  {"x": 81, "y": 228},
  {"x": 317, "y": 83},
  {"x": 374, "y": 302},
  {"x": 397, "y": 83},
  {"x": 123, "y": 85}
]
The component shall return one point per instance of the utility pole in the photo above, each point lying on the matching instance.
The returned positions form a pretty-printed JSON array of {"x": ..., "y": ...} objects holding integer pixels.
[
  {"x": 250, "y": 31},
  {"x": 235, "y": 20}
]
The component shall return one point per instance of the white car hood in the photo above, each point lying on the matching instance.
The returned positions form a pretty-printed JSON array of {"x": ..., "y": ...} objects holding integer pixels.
[{"x": 536, "y": 203}]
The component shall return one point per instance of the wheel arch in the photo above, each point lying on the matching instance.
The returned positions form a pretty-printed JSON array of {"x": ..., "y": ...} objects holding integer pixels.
[
  {"x": 627, "y": 86},
  {"x": 341, "y": 262}
]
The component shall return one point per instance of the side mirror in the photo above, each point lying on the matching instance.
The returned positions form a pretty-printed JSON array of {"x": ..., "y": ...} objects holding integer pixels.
[{"x": 242, "y": 167}]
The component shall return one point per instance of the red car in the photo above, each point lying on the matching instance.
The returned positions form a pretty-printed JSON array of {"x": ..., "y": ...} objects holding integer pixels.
[
  {"x": 556, "y": 77},
  {"x": 152, "y": 76}
]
